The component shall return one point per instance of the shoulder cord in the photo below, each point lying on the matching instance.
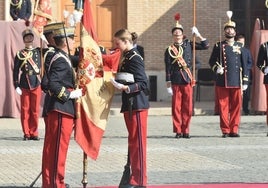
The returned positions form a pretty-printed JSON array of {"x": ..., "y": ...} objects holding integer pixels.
[
  {"x": 26, "y": 57},
  {"x": 178, "y": 54},
  {"x": 17, "y": 5}
]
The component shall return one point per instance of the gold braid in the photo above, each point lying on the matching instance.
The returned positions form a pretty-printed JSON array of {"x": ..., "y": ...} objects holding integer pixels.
[
  {"x": 25, "y": 58},
  {"x": 175, "y": 57},
  {"x": 17, "y": 5}
]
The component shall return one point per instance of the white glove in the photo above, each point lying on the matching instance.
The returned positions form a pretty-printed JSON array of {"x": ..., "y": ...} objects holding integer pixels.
[
  {"x": 195, "y": 31},
  {"x": 170, "y": 91},
  {"x": 266, "y": 70},
  {"x": 116, "y": 84},
  {"x": 244, "y": 87},
  {"x": 75, "y": 94},
  {"x": 220, "y": 70},
  {"x": 18, "y": 90}
]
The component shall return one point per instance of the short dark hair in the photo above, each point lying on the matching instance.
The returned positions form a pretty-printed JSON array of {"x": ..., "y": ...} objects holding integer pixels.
[{"x": 240, "y": 36}]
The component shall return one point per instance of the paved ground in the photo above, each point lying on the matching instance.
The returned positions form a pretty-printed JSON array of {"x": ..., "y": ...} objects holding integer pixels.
[{"x": 205, "y": 158}]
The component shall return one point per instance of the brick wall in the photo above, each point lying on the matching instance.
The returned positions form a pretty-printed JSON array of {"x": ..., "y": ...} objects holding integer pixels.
[
  {"x": 153, "y": 21},
  {"x": 2, "y": 7}
]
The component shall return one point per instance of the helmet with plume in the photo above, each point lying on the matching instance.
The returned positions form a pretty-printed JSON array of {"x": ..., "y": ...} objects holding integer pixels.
[
  {"x": 177, "y": 23},
  {"x": 28, "y": 30},
  {"x": 230, "y": 23}
]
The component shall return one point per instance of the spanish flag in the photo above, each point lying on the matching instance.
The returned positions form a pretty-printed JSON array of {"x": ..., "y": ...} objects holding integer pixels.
[
  {"x": 93, "y": 76},
  {"x": 42, "y": 14}
]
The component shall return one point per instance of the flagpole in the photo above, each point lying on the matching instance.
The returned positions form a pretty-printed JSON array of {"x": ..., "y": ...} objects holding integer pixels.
[
  {"x": 194, "y": 39},
  {"x": 85, "y": 159},
  {"x": 85, "y": 162}
]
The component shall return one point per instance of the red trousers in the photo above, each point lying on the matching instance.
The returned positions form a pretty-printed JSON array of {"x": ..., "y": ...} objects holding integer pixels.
[
  {"x": 182, "y": 108},
  {"x": 137, "y": 146},
  {"x": 30, "y": 108},
  {"x": 58, "y": 132},
  {"x": 230, "y": 102}
]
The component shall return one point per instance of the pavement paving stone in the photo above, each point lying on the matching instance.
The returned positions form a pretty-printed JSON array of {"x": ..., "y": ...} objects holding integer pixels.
[{"x": 206, "y": 157}]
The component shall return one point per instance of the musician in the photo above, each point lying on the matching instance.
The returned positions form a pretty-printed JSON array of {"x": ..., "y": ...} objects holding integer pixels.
[
  {"x": 179, "y": 80},
  {"x": 60, "y": 110},
  {"x": 229, "y": 61},
  {"x": 20, "y": 9},
  {"x": 135, "y": 105},
  {"x": 27, "y": 64}
]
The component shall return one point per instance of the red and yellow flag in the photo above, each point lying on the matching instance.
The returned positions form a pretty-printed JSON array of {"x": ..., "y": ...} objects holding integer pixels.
[
  {"x": 42, "y": 14},
  {"x": 93, "y": 76}
]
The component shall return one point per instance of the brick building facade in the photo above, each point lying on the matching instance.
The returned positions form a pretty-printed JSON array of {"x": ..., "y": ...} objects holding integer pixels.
[{"x": 153, "y": 20}]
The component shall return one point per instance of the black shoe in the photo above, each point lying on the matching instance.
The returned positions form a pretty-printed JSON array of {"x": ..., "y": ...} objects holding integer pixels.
[
  {"x": 67, "y": 185},
  {"x": 178, "y": 135},
  {"x": 131, "y": 186},
  {"x": 26, "y": 138},
  {"x": 234, "y": 135},
  {"x": 186, "y": 136},
  {"x": 34, "y": 138},
  {"x": 225, "y": 135}
]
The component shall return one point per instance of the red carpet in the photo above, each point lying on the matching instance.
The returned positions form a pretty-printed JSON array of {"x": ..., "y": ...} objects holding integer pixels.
[{"x": 223, "y": 185}]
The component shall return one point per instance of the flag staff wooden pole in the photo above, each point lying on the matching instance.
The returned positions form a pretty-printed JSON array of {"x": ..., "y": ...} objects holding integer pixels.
[
  {"x": 194, "y": 39},
  {"x": 85, "y": 159}
]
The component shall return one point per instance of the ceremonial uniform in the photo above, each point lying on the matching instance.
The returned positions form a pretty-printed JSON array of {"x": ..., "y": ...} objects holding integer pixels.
[
  {"x": 178, "y": 66},
  {"x": 228, "y": 61},
  {"x": 26, "y": 77},
  {"x": 135, "y": 105},
  {"x": 60, "y": 116},
  {"x": 262, "y": 64},
  {"x": 20, "y": 9}
]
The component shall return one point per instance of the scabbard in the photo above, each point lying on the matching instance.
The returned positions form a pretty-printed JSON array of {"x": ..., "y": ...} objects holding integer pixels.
[{"x": 130, "y": 103}]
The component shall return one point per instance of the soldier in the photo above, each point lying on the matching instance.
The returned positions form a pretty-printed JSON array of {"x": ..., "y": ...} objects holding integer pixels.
[
  {"x": 135, "y": 105},
  {"x": 178, "y": 63},
  {"x": 60, "y": 110},
  {"x": 48, "y": 54},
  {"x": 246, "y": 93},
  {"x": 228, "y": 61},
  {"x": 20, "y": 9},
  {"x": 28, "y": 63},
  {"x": 262, "y": 64}
]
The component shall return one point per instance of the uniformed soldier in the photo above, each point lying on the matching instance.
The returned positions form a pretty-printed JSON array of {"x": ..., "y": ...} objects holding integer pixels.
[
  {"x": 135, "y": 105},
  {"x": 262, "y": 64},
  {"x": 28, "y": 63},
  {"x": 178, "y": 64},
  {"x": 48, "y": 54},
  {"x": 20, "y": 9},
  {"x": 60, "y": 110},
  {"x": 228, "y": 61}
]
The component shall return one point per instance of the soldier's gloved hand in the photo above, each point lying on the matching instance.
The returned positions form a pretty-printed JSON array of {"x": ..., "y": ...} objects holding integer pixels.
[
  {"x": 244, "y": 87},
  {"x": 75, "y": 94},
  {"x": 116, "y": 84},
  {"x": 266, "y": 70},
  {"x": 195, "y": 31},
  {"x": 170, "y": 91},
  {"x": 18, "y": 90},
  {"x": 220, "y": 70}
]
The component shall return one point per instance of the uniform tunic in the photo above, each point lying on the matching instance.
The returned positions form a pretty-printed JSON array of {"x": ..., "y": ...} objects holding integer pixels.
[
  {"x": 21, "y": 9},
  {"x": 228, "y": 85},
  {"x": 262, "y": 64},
  {"x": 135, "y": 105},
  {"x": 178, "y": 64},
  {"x": 26, "y": 75},
  {"x": 60, "y": 120}
]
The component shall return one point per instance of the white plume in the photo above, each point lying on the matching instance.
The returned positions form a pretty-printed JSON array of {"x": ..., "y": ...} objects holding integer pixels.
[{"x": 229, "y": 14}]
